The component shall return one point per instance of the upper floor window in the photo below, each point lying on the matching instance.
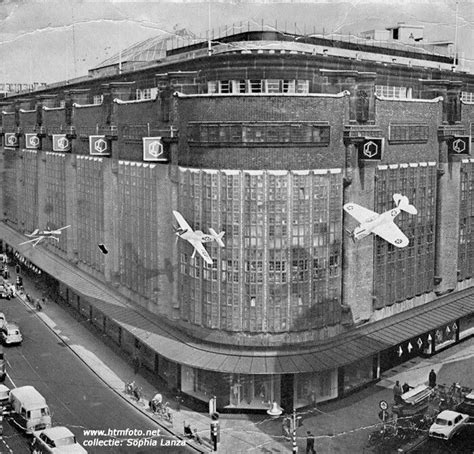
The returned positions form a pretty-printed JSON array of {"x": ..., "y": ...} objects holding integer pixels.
[
  {"x": 467, "y": 96},
  {"x": 258, "y": 86},
  {"x": 146, "y": 93},
  {"x": 97, "y": 99},
  {"x": 390, "y": 91}
]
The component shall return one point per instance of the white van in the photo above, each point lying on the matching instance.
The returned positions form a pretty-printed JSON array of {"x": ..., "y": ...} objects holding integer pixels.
[{"x": 29, "y": 410}]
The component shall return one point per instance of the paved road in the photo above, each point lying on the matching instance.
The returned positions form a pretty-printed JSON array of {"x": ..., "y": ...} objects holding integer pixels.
[
  {"x": 462, "y": 443},
  {"x": 76, "y": 396}
]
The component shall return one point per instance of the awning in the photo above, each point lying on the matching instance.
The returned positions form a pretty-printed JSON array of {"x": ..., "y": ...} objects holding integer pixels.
[{"x": 161, "y": 336}]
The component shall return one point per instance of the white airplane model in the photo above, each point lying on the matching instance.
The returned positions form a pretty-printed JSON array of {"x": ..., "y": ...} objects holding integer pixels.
[
  {"x": 197, "y": 238},
  {"x": 39, "y": 235},
  {"x": 381, "y": 224}
]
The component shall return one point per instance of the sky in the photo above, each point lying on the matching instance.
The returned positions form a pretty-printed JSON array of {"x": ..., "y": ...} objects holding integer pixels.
[{"x": 52, "y": 41}]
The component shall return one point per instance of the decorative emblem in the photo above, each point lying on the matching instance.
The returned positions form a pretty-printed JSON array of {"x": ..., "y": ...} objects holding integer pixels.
[
  {"x": 153, "y": 149},
  {"x": 419, "y": 342},
  {"x": 370, "y": 149},
  {"x": 11, "y": 140},
  {"x": 410, "y": 347},
  {"x": 61, "y": 142},
  {"x": 459, "y": 146},
  {"x": 400, "y": 351},
  {"x": 32, "y": 141},
  {"x": 98, "y": 146}
]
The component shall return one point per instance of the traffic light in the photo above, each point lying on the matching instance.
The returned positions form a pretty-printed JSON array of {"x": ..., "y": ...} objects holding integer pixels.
[
  {"x": 17, "y": 269},
  {"x": 215, "y": 430}
]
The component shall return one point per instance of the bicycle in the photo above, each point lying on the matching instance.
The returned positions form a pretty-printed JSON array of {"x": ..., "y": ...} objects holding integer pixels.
[
  {"x": 164, "y": 412},
  {"x": 129, "y": 387},
  {"x": 132, "y": 389}
]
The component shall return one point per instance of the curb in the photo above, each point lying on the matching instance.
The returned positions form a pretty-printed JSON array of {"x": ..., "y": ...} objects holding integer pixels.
[{"x": 138, "y": 407}]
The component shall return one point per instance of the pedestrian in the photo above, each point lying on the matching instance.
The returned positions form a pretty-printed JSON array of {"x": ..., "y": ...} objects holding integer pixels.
[
  {"x": 406, "y": 387},
  {"x": 286, "y": 428},
  {"x": 432, "y": 379},
  {"x": 136, "y": 363},
  {"x": 196, "y": 436},
  {"x": 397, "y": 392},
  {"x": 310, "y": 443}
]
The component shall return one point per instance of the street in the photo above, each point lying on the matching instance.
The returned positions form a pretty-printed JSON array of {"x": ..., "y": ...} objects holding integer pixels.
[
  {"x": 76, "y": 396},
  {"x": 462, "y": 443}
]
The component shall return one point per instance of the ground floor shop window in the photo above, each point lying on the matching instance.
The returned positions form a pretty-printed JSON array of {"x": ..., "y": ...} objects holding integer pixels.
[
  {"x": 446, "y": 335},
  {"x": 231, "y": 390},
  {"x": 314, "y": 387},
  {"x": 254, "y": 391},
  {"x": 358, "y": 373},
  {"x": 466, "y": 326},
  {"x": 204, "y": 385}
]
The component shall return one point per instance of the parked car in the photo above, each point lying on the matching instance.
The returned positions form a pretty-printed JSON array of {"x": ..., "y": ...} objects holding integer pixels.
[
  {"x": 467, "y": 405},
  {"x": 11, "y": 334},
  {"x": 4, "y": 394},
  {"x": 57, "y": 440},
  {"x": 3, "y": 320},
  {"x": 5, "y": 292},
  {"x": 3, "y": 365},
  {"x": 29, "y": 410},
  {"x": 447, "y": 424}
]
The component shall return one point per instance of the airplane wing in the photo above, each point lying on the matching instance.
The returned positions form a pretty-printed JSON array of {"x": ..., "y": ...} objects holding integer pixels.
[
  {"x": 65, "y": 227},
  {"x": 391, "y": 233},
  {"x": 202, "y": 251},
  {"x": 33, "y": 233},
  {"x": 360, "y": 213},
  {"x": 38, "y": 239},
  {"x": 182, "y": 222}
]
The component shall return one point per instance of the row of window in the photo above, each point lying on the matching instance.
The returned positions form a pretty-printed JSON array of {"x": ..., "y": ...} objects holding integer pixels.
[
  {"x": 258, "y": 86},
  {"x": 259, "y": 133},
  {"x": 391, "y": 91}
]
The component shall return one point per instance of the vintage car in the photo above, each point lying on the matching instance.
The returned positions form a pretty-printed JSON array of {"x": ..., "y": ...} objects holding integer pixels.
[
  {"x": 447, "y": 424},
  {"x": 10, "y": 334},
  {"x": 56, "y": 440}
]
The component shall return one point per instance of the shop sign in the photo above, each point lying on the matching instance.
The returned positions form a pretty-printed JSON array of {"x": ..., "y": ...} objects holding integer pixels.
[
  {"x": 61, "y": 142},
  {"x": 32, "y": 141},
  {"x": 371, "y": 149},
  {"x": 99, "y": 146},
  {"x": 153, "y": 149},
  {"x": 11, "y": 140},
  {"x": 459, "y": 145}
]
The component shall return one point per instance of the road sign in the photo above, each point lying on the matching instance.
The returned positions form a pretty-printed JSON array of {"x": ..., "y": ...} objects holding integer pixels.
[{"x": 383, "y": 405}]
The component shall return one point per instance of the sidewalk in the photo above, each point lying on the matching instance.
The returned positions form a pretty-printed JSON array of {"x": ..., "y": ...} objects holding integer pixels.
[{"x": 342, "y": 426}]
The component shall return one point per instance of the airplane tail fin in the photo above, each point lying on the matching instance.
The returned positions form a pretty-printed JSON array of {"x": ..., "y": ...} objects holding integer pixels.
[
  {"x": 217, "y": 236},
  {"x": 403, "y": 203},
  {"x": 351, "y": 234}
]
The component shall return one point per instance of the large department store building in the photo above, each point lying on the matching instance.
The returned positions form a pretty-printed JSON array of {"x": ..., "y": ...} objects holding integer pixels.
[{"x": 263, "y": 135}]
